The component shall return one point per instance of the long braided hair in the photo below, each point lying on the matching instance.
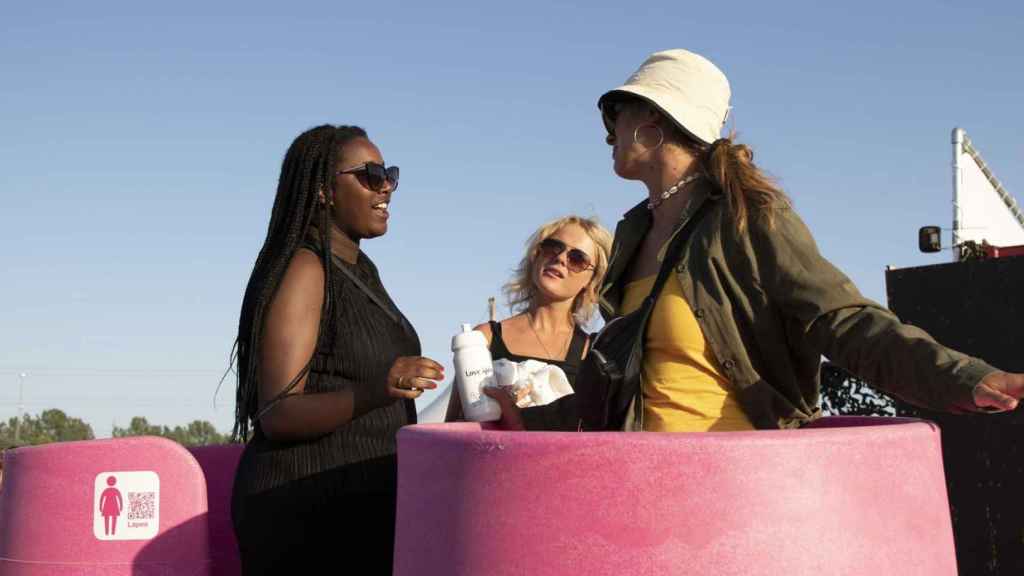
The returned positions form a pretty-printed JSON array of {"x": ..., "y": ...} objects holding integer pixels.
[{"x": 307, "y": 169}]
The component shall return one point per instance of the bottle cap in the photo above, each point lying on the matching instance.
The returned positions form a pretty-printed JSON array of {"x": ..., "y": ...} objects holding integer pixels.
[{"x": 468, "y": 337}]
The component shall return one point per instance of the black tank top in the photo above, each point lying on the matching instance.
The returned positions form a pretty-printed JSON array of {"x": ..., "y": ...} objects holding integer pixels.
[
  {"x": 570, "y": 365},
  {"x": 360, "y": 354}
]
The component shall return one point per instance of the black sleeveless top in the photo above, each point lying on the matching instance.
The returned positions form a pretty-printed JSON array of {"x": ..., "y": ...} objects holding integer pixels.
[
  {"x": 359, "y": 354},
  {"x": 560, "y": 415},
  {"x": 332, "y": 499},
  {"x": 570, "y": 365}
]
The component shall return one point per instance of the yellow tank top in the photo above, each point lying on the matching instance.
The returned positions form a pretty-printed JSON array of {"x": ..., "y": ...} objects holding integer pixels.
[{"x": 682, "y": 386}]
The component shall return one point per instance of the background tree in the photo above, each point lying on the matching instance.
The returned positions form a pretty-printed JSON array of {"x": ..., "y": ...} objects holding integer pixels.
[
  {"x": 52, "y": 425},
  {"x": 138, "y": 426},
  {"x": 195, "y": 433}
]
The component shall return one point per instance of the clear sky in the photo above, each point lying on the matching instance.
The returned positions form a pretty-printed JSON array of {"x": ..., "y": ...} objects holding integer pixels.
[{"x": 140, "y": 145}]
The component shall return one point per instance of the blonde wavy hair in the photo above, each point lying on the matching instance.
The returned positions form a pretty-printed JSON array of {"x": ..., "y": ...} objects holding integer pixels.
[{"x": 522, "y": 292}]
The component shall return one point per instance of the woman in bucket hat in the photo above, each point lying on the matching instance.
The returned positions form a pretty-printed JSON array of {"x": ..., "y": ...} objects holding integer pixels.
[{"x": 739, "y": 328}]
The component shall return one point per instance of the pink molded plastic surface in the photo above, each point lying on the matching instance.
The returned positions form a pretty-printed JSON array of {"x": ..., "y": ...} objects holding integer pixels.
[
  {"x": 47, "y": 510},
  {"x": 219, "y": 463},
  {"x": 851, "y": 496}
]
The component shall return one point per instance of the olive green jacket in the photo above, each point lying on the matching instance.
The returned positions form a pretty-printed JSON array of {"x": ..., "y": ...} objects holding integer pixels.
[{"x": 770, "y": 306}]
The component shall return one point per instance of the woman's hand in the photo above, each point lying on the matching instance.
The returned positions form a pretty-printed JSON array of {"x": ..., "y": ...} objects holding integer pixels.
[
  {"x": 511, "y": 416},
  {"x": 411, "y": 375},
  {"x": 999, "y": 391}
]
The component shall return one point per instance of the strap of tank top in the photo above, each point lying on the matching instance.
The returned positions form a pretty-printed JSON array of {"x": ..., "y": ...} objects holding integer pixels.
[
  {"x": 498, "y": 348},
  {"x": 579, "y": 339}
]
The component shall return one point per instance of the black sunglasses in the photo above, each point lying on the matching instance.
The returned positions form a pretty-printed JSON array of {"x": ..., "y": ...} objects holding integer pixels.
[
  {"x": 576, "y": 260},
  {"x": 610, "y": 111},
  {"x": 373, "y": 175}
]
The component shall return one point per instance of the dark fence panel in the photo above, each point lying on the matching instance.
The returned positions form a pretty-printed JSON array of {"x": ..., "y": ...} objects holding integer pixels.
[{"x": 976, "y": 307}]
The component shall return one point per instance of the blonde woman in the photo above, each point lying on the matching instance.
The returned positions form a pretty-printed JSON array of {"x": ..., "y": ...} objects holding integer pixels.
[{"x": 555, "y": 292}]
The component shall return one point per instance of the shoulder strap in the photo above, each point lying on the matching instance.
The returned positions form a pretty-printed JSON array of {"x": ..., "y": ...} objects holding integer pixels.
[
  {"x": 579, "y": 340},
  {"x": 366, "y": 289},
  {"x": 674, "y": 250},
  {"x": 498, "y": 348}
]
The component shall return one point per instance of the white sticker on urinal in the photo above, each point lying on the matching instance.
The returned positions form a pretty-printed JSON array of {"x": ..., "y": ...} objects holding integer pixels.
[{"x": 126, "y": 505}]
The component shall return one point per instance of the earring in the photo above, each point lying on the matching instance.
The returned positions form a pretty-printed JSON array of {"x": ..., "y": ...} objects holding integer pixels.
[
  {"x": 661, "y": 136},
  {"x": 323, "y": 198}
]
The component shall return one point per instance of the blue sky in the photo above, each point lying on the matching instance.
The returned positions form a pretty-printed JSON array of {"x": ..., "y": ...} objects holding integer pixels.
[{"x": 140, "y": 147}]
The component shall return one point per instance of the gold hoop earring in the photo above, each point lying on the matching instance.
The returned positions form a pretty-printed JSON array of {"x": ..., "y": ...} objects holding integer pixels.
[{"x": 661, "y": 136}]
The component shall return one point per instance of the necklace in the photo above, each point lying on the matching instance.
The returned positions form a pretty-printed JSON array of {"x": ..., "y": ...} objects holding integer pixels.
[
  {"x": 652, "y": 204},
  {"x": 539, "y": 341}
]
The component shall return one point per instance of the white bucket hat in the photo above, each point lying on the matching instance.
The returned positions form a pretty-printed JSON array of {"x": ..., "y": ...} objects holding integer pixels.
[{"x": 684, "y": 86}]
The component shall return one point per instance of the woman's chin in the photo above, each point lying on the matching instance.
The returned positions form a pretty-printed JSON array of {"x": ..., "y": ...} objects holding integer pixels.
[
  {"x": 623, "y": 171},
  {"x": 377, "y": 230},
  {"x": 548, "y": 291},
  {"x": 627, "y": 172}
]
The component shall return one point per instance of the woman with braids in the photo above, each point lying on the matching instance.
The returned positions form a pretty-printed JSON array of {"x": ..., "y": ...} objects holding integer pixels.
[
  {"x": 328, "y": 368},
  {"x": 750, "y": 306},
  {"x": 555, "y": 291}
]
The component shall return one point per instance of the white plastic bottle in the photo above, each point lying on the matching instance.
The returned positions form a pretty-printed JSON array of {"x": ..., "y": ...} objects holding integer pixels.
[{"x": 473, "y": 370}]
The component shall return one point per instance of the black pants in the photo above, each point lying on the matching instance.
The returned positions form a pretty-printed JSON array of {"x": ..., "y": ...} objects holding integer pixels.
[{"x": 337, "y": 522}]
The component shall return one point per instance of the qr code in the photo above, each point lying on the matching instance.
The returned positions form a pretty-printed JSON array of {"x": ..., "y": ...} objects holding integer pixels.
[{"x": 141, "y": 505}]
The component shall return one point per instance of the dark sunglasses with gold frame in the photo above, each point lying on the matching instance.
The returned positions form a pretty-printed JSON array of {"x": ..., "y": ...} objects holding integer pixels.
[{"x": 576, "y": 260}]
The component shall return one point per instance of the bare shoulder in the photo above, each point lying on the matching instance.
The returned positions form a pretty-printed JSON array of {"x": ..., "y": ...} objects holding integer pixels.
[
  {"x": 293, "y": 318},
  {"x": 518, "y": 324},
  {"x": 303, "y": 283},
  {"x": 306, "y": 264}
]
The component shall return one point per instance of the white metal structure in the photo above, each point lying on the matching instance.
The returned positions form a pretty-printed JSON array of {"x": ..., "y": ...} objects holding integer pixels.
[{"x": 982, "y": 209}]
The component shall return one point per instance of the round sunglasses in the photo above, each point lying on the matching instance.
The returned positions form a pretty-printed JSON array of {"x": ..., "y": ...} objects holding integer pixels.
[
  {"x": 374, "y": 176},
  {"x": 576, "y": 260}
]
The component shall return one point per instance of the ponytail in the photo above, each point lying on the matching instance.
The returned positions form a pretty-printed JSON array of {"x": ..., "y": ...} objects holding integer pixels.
[{"x": 730, "y": 168}]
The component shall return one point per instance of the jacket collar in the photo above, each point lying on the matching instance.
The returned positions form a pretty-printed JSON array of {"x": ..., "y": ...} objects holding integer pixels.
[{"x": 629, "y": 233}]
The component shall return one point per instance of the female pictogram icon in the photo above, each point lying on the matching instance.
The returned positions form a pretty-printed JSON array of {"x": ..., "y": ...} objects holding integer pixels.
[{"x": 111, "y": 505}]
